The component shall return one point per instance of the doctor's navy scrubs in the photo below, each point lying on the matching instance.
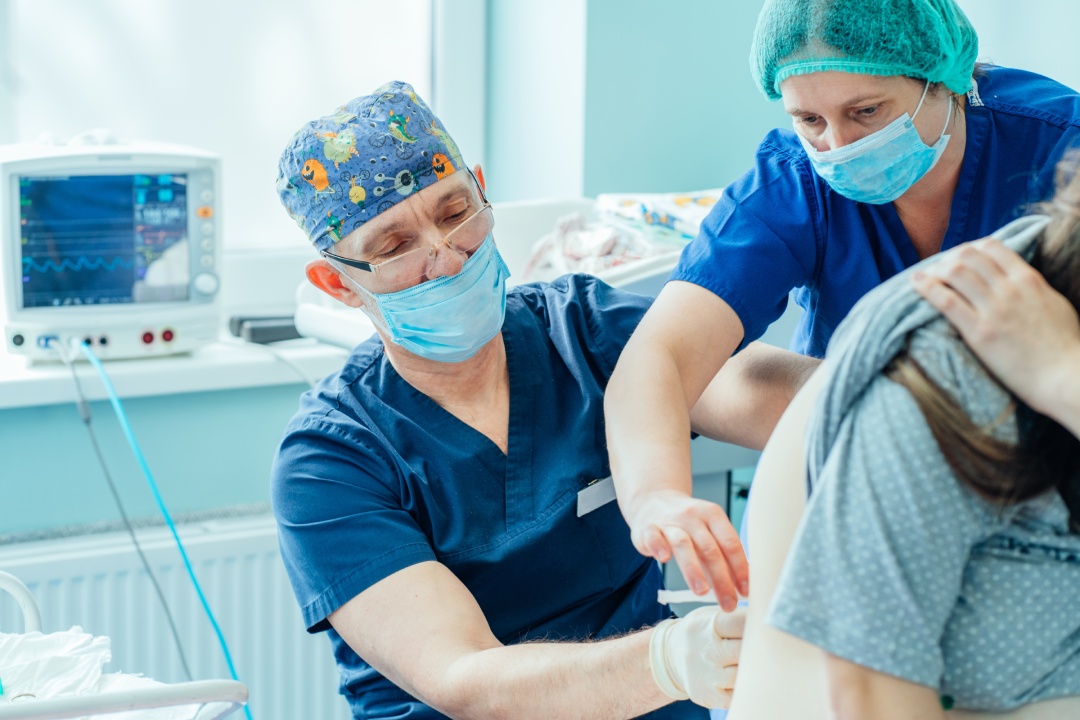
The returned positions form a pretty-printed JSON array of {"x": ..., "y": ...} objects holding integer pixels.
[
  {"x": 781, "y": 227},
  {"x": 373, "y": 476}
]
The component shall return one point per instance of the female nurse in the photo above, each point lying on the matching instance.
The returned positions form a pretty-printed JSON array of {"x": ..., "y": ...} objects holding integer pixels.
[{"x": 901, "y": 147}]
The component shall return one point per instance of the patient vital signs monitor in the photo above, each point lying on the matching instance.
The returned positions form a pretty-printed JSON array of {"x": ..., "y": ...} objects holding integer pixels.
[{"x": 115, "y": 244}]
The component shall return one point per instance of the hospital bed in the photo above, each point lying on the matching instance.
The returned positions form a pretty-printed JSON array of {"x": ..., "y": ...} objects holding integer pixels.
[{"x": 216, "y": 698}]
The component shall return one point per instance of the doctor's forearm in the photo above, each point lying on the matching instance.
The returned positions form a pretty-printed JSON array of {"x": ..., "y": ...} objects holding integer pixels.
[{"x": 606, "y": 679}]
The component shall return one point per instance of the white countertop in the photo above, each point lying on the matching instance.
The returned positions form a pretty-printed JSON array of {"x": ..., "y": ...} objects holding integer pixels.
[{"x": 224, "y": 365}]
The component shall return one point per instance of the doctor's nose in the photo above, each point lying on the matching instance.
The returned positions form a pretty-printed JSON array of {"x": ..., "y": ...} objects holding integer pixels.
[{"x": 443, "y": 260}]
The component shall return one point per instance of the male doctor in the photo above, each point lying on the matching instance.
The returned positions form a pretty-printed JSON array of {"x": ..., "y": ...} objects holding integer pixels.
[{"x": 439, "y": 499}]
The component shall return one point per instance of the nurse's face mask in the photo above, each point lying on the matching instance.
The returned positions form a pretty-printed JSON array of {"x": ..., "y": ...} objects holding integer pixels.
[
  {"x": 435, "y": 282},
  {"x": 882, "y": 166}
]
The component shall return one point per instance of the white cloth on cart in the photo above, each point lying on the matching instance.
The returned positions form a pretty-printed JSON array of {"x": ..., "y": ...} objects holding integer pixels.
[{"x": 37, "y": 666}]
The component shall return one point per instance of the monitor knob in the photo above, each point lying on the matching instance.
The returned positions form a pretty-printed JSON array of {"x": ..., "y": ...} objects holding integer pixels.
[{"x": 205, "y": 283}]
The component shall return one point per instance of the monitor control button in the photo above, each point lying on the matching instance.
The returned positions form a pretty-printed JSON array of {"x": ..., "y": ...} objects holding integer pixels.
[
  {"x": 205, "y": 283},
  {"x": 206, "y": 195}
]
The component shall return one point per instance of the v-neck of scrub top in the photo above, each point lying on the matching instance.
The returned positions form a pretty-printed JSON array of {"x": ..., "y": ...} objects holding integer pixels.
[
  {"x": 976, "y": 128},
  {"x": 514, "y": 468}
]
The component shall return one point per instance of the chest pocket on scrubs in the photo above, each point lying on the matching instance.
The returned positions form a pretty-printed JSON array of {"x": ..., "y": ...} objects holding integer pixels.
[
  {"x": 612, "y": 533},
  {"x": 552, "y": 568}
]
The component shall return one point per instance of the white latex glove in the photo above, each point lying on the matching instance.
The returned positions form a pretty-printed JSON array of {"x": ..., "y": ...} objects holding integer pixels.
[{"x": 697, "y": 657}]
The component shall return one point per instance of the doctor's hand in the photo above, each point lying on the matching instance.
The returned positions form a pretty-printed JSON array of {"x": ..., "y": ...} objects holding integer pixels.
[
  {"x": 667, "y": 524},
  {"x": 1026, "y": 332},
  {"x": 697, "y": 657}
]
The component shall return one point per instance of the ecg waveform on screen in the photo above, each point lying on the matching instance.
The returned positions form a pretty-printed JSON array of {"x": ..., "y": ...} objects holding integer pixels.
[{"x": 79, "y": 263}]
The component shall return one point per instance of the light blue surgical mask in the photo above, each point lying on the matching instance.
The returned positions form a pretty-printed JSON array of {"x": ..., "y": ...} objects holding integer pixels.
[
  {"x": 450, "y": 318},
  {"x": 882, "y": 166}
]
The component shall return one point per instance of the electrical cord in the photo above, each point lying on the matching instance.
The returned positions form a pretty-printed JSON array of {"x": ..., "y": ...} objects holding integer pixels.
[
  {"x": 114, "y": 399},
  {"x": 84, "y": 414},
  {"x": 267, "y": 350}
]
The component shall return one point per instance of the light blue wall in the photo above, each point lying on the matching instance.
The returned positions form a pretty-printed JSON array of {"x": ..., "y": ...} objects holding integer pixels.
[
  {"x": 603, "y": 95},
  {"x": 536, "y": 95},
  {"x": 206, "y": 450},
  {"x": 670, "y": 104},
  {"x": 1037, "y": 36},
  {"x": 621, "y": 96}
]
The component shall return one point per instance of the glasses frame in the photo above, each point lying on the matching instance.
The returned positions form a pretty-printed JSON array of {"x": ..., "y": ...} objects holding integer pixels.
[{"x": 374, "y": 267}]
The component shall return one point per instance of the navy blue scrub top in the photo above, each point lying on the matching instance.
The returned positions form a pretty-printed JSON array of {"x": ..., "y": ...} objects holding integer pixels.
[
  {"x": 374, "y": 476},
  {"x": 780, "y": 227}
]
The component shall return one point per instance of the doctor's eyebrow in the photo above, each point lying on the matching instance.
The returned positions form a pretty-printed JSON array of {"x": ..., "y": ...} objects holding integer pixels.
[
  {"x": 379, "y": 232},
  {"x": 454, "y": 193}
]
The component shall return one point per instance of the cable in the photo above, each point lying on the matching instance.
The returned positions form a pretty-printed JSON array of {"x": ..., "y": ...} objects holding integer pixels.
[
  {"x": 84, "y": 413},
  {"x": 266, "y": 349},
  {"x": 114, "y": 399}
]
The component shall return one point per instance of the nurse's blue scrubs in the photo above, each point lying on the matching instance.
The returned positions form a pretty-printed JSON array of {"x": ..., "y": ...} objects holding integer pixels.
[
  {"x": 373, "y": 476},
  {"x": 780, "y": 227}
]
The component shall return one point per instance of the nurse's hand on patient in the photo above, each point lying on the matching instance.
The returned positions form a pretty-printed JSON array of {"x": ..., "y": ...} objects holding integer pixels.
[
  {"x": 1026, "y": 332},
  {"x": 697, "y": 657},
  {"x": 697, "y": 534}
]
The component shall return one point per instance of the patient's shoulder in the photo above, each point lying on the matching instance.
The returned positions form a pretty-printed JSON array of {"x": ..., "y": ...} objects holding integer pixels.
[{"x": 950, "y": 363}]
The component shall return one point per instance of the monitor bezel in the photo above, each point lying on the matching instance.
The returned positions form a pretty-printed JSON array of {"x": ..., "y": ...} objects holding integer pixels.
[{"x": 203, "y": 171}]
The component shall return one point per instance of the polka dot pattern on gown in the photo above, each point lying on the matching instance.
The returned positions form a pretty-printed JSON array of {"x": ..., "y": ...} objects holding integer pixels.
[{"x": 898, "y": 567}]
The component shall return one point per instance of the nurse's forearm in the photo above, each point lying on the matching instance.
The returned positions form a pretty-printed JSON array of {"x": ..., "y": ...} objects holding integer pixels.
[
  {"x": 648, "y": 427},
  {"x": 680, "y": 345},
  {"x": 606, "y": 679},
  {"x": 745, "y": 400},
  {"x": 676, "y": 351}
]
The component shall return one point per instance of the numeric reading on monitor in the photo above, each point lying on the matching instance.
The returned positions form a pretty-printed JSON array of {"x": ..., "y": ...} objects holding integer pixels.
[{"x": 103, "y": 239}]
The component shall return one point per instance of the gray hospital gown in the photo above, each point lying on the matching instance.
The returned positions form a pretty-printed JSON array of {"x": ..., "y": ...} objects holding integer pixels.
[{"x": 900, "y": 568}]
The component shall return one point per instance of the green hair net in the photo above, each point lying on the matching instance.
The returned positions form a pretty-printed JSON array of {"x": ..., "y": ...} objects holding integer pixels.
[{"x": 928, "y": 39}]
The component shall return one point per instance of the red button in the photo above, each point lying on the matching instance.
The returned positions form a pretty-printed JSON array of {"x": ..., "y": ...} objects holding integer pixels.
[
  {"x": 167, "y": 335},
  {"x": 147, "y": 337}
]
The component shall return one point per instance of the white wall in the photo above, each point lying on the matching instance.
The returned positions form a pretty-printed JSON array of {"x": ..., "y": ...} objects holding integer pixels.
[{"x": 234, "y": 77}]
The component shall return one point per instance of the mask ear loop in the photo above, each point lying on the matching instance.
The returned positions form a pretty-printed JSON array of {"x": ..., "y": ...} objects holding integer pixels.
[
  {"x": 919, "y": 106},
  {"x": 371, "y": 304},
  {"x": 948, "y": 116}
]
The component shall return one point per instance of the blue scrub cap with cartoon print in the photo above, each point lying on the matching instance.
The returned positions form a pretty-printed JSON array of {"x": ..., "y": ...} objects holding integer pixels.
[{"x": 341, "y": 170}]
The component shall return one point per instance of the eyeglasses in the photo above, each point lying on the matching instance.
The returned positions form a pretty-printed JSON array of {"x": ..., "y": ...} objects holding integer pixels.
[{"x": 413, "y": 259}]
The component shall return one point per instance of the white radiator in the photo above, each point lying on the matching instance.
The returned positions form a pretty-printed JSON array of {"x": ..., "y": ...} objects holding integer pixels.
[{"x": 97, "y": 581}]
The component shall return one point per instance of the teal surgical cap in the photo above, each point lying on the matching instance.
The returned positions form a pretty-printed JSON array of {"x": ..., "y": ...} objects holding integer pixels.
[{"x": 927, "y": 39}]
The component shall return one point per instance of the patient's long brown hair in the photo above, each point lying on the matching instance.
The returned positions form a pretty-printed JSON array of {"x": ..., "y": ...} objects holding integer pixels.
[{"x": 1046, "y": 454}]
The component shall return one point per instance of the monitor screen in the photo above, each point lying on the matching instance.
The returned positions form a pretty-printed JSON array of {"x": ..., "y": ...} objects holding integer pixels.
[{"x": 101, "y": 239}]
